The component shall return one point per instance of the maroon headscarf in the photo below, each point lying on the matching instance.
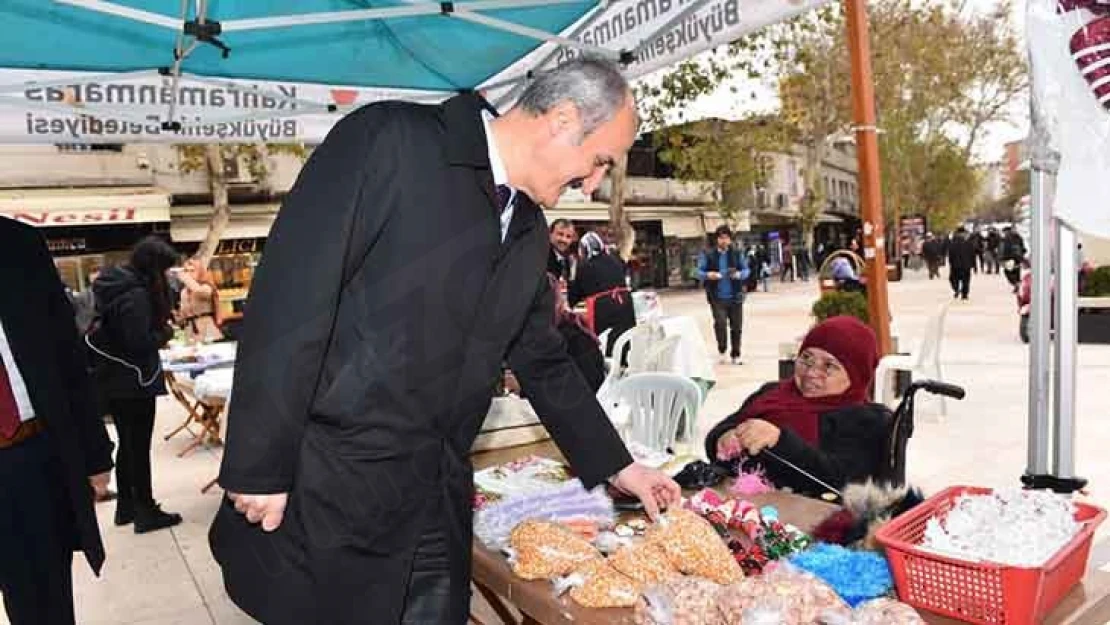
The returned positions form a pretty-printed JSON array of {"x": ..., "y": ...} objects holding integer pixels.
[{"x": 853, "y": 344}]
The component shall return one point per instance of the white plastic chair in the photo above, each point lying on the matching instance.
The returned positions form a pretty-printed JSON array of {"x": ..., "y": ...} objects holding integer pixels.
[
  {"x": 656, "y": 403},
  {"x": 661, "y": 355},
  {"x": 924, "y": 362}
]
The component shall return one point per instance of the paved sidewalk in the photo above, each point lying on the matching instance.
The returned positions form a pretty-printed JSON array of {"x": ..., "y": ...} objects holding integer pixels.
[{"x": 169, "y": 577}]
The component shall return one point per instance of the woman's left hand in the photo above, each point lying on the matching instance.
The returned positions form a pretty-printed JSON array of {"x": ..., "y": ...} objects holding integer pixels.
[{"x": 755, "y": 435}]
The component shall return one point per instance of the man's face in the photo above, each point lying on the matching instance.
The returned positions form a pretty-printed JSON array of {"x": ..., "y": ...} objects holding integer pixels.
[
  {"x": 566, "y": 157},
  {"x": 562, "y": 237},
  {"x": 723, "y": 241}
]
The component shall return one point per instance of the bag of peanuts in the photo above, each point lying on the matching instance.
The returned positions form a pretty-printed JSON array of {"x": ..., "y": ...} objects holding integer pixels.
[
  {"x": 644, "y": 562},
  {"x": 679, "y": 601},
  {"x": 694, "y": 547},
  {"x": 545, "y": 550},
  {"x": 597, "y": 584},
  {"x": 791, "y": 596},
  {"x": 877, "y": 612}
]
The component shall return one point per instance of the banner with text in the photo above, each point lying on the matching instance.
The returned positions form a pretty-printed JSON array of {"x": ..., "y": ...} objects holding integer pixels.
[
  {"x": 90, "y": 109},
  {"x": 670, "y": 31}
]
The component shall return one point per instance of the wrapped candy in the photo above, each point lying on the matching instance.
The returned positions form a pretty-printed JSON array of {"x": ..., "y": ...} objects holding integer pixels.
[
  {"x": 597, "y": 584},
  {"x": 794, "y": 597},
  {"x": 694, "y": 547},
  {"x": 679, "y": 601},
  {"x": 545, "y": 550},
  {"x": 645, "y": 563},
  {"x": 1011, "y": 527}
]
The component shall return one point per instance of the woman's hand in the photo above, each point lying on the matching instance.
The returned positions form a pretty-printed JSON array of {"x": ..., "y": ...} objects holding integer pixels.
[
  {"x": 755, "y": 435},
  {"x": 728, "y": 446}
]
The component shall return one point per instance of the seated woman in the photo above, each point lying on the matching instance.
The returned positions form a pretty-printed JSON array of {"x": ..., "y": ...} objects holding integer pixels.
[
  {"x": 583, "y": 345},
  {"x": 820, "y": 420}
]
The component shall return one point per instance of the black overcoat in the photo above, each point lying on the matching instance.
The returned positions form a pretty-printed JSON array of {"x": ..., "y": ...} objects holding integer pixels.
[
  {"x": 374, "y": 334},
  {"x": 39, "y": 324}
]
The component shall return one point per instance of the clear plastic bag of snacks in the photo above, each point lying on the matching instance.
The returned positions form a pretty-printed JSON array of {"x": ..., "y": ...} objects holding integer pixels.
[
  {"x": 797, "y": 597},
  {"x": 545, "y": 550},
  {"x": 679, "y": 601},
  {"x": 647, "y": 563},
  {"x": 694, "y": 547},
  {"x": 597, "y": 584}
]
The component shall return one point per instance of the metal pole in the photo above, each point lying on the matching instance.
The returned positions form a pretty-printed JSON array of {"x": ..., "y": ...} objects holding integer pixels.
[
  {"x": 1066, "y": 346},
  {"x": 870, "y": 185},
  {"x": 1039, "y": 320}
]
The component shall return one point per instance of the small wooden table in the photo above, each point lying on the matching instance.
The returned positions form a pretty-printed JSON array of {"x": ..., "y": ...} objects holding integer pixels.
[{"x": 1088, "y": 603}]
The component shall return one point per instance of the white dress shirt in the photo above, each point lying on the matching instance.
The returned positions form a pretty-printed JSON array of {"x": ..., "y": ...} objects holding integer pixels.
[
  {"x": 19, "y": 388},
  {"x": 500, "y": 176}
]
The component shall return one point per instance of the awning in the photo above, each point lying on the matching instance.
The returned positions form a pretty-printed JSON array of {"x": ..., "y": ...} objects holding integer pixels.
[
  {"x": 87, "y": 206},
  {"x": 682, "y": 222},
  {"x": 189, "y": 224}
]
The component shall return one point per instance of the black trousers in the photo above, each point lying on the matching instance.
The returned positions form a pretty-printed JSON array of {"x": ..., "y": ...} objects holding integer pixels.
[
  {"x": 134, "y": 419},
  {"x": 37, "y": 536},
  {"x": 728, "y": 321},
  {"x": 428, "y": 598},
  {"x": 960, "y": 280},
  {"x": 934, "y": 268}
]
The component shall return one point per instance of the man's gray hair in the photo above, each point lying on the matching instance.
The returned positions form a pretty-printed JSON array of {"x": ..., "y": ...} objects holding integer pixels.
[{"x": 594, "y": 85}]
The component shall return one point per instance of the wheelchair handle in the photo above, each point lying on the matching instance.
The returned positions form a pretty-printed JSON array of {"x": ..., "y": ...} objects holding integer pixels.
[{"x": 937, "y": 388}]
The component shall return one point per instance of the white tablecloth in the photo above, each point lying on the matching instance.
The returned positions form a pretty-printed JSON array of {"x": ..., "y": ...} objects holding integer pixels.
[{"x": 215, "y": 384}]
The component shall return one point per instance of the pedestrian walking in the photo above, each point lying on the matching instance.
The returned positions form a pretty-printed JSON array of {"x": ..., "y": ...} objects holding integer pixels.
[{"x": 722, "y": 271}]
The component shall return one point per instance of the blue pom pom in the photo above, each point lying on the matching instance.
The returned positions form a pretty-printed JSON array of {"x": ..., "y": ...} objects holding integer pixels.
[
  {"x": 769, "y": 513},
  {"x": 857, "y": 576}
]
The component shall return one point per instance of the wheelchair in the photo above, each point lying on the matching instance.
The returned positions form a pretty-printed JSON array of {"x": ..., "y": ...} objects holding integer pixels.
[{"x": 901, "y": 428}]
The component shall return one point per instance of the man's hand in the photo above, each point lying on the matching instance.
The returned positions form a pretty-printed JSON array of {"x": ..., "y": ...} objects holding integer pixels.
[
  {"x": 99, "y": 484},
  {"x": 755, "y": 435},
  {"x": 713, "y": 275},
  {"x": 653, "y": 488},
  {"x": 269, "y": 509},
  {"x": 728, "y": 446}
]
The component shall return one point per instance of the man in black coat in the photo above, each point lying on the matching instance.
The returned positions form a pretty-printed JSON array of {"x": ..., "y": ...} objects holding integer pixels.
[
  {"x": 55, "y": 454},
  {"x": 561, "y": 261},
  {"x": 405, "y": 266},
  {"x": 961, "y": 260}
]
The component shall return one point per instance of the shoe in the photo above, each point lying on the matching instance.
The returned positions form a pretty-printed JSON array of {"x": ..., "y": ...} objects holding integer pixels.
[
  {"x": 964, "y": 298},
  {"x": 153, "y": 519},
  {"x": 736, "y": 360},
  {"x": 125, "y": 514},
  {"x": 722, "y": 359}
]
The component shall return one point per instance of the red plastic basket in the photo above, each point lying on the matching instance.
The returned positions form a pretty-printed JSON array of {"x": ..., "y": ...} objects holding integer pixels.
[{"x": 981, "y": 593}]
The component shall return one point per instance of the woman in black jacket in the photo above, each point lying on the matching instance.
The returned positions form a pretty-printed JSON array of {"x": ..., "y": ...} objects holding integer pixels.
[
  {"x": 134, "y": 306},
  {"x": 600, "y": 280},
  {"x": 820, "y": 420}
]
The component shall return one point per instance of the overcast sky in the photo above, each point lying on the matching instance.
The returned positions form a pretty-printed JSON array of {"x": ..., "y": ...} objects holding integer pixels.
[{"x": 737, "y": 98}]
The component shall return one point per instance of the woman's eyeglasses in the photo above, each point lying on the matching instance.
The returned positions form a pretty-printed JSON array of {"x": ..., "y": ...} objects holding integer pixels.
[{"x": 829, "y": 368}]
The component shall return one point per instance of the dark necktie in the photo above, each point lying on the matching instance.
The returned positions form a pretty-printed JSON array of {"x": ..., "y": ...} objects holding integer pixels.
[
  {"x": 504, "y": 194},
  {"x": 9, "y": 409}
]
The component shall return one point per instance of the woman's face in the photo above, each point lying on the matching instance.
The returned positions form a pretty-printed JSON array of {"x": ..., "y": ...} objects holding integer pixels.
[{"x": 819, "y": 374}]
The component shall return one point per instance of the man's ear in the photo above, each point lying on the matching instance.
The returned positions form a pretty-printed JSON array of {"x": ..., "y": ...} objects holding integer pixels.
[{"x": 564, "y": 118}]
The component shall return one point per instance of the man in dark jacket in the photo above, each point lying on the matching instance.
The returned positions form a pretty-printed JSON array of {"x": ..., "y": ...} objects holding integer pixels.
[
  {"x": 1012, "y": 253},
  {"x": 931, "y": 251},
  {"x": 55, "y": 454},
  {"x": 722, "y": 271},
  {"x": 359, "y": 392},
  {"x": 961, "y": 260},
  {"x": 560, "y": 263}
]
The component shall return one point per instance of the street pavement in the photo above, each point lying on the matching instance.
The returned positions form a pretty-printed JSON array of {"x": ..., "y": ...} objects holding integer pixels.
[{"x": 169, "y": 577}]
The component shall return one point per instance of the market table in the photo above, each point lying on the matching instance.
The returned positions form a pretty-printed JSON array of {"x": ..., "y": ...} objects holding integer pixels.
[{"x": 1088, "y": 603}]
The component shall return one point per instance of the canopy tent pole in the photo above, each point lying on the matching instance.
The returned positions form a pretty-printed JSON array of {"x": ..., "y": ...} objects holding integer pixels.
[
  {"x": 870, "y": 184},
  {"x": 1067, "y": 339},
  {"x": 1040, "y": 399}
]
